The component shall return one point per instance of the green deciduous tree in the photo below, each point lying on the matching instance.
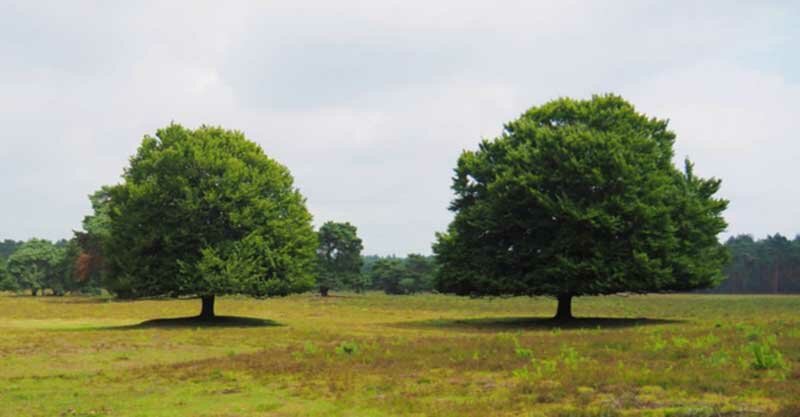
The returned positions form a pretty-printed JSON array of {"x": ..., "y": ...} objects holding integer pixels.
[
  {"x": 7, "y": 282},
  {"x": 36, "y": 265},
  {"x": 580, "y": 197},
  {"x": 90, "y": 269},
  {"x": 205, "y": 212},
  {"x": 412, "y": 274},
  {"x": 7, "y": 247},
  {"x": 388, "y": 273},
  {"x": 339, "y": 257},
  {"x": 770, "y": 265},
  {"x": 421, "y": 270}
]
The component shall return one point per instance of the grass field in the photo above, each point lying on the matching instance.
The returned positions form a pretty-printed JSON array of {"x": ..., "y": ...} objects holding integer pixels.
[{"x": 427, "y": 355}]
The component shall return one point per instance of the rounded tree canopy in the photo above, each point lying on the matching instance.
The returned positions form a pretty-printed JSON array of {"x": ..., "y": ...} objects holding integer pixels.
[
  {"x": 339, "y": 255},
  {"x": 580, "y": 197},
  {"x": 34, "y": 265},
  {"x": 205, "y": 212}
]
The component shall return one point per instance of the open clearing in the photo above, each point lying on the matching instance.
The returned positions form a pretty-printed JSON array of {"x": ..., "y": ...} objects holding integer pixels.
[{"x": 426, "y": 355}]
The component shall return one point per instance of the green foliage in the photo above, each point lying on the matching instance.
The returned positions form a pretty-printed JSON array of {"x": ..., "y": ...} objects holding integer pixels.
[
  {"x": 570, "y": 357},
  {"x": 205, "y": 212},
  {"x": 99, "y": 222},
  {"x": 7, "y": 282},
  {"x": 309, "y": 348},
  {"x": 36, "y": 265},
  {"x": 68, "y": 270},
  {"x": 656, "y": 343},
  {"x": 90, "y": 268},
  {"x": 580, "y": 197},
  {"x": 421, "y": 271},
  {"x": 387, "y": 274},
  {"x": 770, "y": 265},
  {"x": 7, "y": 247},
  {"x": 718, "y": 358},
  {"x": 347, "y": 348},
  {"x": 409, "y": 275},
  {"x": 523, "y": 352},
  {"x": 766, "y": 356},
  {"x": 339, "y": 257}
]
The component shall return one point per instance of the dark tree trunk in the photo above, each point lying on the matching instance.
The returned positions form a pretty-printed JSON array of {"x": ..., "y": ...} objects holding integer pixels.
[
  {"x": 207, "y": 312},
  {"x": 323, "y": 291},
  {"x": 564, "y": 311},
  {"x": 34, "y": 291}
]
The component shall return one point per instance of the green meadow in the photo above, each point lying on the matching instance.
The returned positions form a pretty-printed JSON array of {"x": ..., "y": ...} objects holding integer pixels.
[{"x": 423, "y": 355}]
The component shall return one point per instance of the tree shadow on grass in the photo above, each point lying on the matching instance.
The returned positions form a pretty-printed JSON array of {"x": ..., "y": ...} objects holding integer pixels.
[
  {"x": 532, "y": 323},
  {"x": 195, "y": 322},
  {"x": 76, "y": 299}
]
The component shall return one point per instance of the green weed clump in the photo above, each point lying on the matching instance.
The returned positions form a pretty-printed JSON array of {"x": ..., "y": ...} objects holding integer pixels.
[
  {"x": 347, "y": 348},
  {"x": 766, "y": 356},
  {"x": 656, "y": 344}
]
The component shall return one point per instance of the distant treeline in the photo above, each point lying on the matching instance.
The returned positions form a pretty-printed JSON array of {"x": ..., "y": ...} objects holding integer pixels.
[
  {"x": 393, "y": 275},
  {"x": 69, "y": 266},
  {"x": 766, "y": 266},
  {"x": 39, "y": 265}
]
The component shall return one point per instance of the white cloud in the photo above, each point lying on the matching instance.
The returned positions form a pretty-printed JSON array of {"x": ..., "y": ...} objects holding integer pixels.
[
  {"x": 736, "y": 124},
  {"x": 370, "y": 103}
]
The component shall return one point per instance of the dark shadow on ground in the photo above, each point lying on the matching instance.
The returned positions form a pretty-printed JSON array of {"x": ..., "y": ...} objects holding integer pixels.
[
  {"x": 191, "y": 323},
  {"x": 76, "y": 299},
  {"x": 532, "y": 323}
]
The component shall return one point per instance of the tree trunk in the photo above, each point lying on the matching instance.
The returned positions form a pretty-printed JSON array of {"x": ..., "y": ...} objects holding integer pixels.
[
  {"x": 564, "y": 311},
  {"x": 323, "y": 291},
  {"x": 207, "y": 312},
  {"x": 34, "y": 291}
]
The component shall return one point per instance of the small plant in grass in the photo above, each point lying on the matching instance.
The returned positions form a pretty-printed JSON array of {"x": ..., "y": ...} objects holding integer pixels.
[
  {"x": 520, "y": 351},
  {"x": 752, "y": 333},
  {"x": 347, "y": 348},
  {"x": 570, "y": 357},
  {"x": 523, "y": 352},
  {"x": 656, "y": 343},
  {"x": 309, "y": 348},
  {"x": 538, "y": 369},
  {"x": 766, "y": 356},
  {"x": 680, "y": 342},
  {"x": 717, "y": 359},
  {"x": 705, "y": 342}
]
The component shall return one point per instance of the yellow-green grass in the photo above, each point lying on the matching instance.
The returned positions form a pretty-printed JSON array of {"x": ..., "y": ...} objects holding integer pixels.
[{"x": 426, "y": 355}]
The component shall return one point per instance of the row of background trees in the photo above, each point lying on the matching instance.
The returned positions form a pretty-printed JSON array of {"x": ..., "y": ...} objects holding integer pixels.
[
  {"x": 768, "y": 266},
  {"x": 38, "y": 265},
  {"x": 77, "y": 265}
]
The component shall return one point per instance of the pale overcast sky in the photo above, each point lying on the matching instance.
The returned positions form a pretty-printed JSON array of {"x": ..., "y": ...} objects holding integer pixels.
[{"x": 370, "y": 103}]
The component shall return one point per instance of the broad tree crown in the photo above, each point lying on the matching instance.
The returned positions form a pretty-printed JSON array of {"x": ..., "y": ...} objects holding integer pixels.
[
  {"x": 580, "y": 197},
  {"x": 205, "y": 212}
]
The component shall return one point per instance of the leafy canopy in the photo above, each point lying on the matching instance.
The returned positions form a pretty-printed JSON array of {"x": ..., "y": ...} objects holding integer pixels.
[
  {"x": 37, "y": 264},
  {"x": 339, "y": 256},
  {"x": 580, "y": 197},
  {"x": 205, "y": 212}
]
